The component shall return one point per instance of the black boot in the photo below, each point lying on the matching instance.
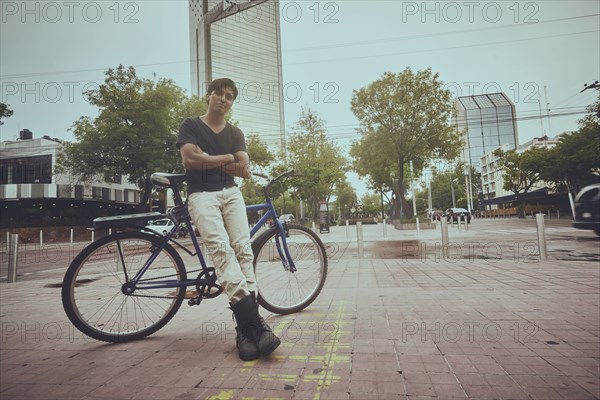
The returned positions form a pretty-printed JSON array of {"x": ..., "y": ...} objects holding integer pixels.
[
  {"x": 248, "y": 328},
  {"x": 267, "y": 341}
]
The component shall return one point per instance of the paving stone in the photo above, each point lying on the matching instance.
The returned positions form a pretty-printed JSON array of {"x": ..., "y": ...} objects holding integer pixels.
[{"x": 381, "y": 329}]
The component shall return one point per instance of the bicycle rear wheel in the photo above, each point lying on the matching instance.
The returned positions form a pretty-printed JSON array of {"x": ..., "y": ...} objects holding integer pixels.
[
  {"x": 279, "y": 289},
  {"x": 93, "y": 293}
]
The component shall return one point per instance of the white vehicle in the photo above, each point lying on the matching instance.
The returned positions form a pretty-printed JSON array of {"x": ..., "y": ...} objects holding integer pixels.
[
  {"x": 287, "y": 218},
  {"x": 161, "y": 226}
]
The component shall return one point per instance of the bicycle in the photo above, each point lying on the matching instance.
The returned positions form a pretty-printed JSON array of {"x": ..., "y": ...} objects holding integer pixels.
[{"x": 129, "y": 284}]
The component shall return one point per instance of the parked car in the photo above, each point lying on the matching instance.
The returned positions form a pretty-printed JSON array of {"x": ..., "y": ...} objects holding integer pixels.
[
  {"x": 587, "y": 208},
  {"x": 164, "y": 226},
  {"x": 454, "y": 214},
  {"x": 287, "y": 218}
]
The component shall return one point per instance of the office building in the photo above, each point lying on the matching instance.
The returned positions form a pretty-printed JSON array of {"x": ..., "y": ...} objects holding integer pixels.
[
  {"x": 486, "y": 121},
  {"x": 241, "y": 40}
]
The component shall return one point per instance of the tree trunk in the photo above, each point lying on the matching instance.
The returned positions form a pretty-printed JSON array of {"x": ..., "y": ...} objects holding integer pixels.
[
  {"x": 401, "y": 206},
  {"x": 406, "y": 207},
  {"x": 521, "y": 206},
  {"x": 144, "y": 205}
]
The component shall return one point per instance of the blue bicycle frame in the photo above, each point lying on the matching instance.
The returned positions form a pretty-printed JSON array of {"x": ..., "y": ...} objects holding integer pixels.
[{"x": 137, "y": 283}]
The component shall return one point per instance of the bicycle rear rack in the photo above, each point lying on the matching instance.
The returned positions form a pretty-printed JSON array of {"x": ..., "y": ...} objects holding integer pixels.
[{"x": 125, "y": 220}]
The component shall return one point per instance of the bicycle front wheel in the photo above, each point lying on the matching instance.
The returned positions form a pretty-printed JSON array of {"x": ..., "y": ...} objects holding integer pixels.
[
  {"x": 95, "y": 295},
  {"x": 280, "y": 289}
]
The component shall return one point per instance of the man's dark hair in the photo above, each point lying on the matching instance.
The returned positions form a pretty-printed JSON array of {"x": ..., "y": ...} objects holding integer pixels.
[{"x": 220, "y": 84}]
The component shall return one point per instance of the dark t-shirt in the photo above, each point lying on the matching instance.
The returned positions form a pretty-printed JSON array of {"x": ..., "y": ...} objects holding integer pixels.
[{"x": 229, "y": 140}]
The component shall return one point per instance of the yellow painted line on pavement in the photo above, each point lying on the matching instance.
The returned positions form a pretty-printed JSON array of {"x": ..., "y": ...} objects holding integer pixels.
[
  {"x": 224, "y": 395},
  {"x": 325, "y": 377}
]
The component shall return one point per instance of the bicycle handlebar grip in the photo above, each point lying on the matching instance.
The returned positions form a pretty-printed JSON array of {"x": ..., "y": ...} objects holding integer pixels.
[{"x": 260, "y": 175}]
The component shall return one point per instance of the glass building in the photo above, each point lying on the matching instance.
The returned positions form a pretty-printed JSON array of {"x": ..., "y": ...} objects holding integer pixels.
[
  {"x": 241, "y": 40},
  {"x": 487, "y": 121}
]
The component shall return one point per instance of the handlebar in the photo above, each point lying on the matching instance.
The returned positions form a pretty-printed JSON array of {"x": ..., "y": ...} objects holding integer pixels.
[
  {"x": 173, "y": 180},
  {"x": 275, "y": 180},
  {"x": 260, "y": 175}
]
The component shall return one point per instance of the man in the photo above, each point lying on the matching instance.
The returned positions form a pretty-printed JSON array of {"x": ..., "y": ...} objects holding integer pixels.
[{"x": 213, "y": 153}]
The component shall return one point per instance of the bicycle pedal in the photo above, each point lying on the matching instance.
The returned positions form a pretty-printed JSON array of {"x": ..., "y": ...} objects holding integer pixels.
[{"x": 195, "y": 301}]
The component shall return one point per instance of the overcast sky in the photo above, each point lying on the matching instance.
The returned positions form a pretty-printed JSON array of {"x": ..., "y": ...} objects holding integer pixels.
[{"x": 537, "y": 52}]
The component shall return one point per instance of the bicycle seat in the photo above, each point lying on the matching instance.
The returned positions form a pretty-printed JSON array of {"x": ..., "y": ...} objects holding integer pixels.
[{"x": 164, "y": 179}]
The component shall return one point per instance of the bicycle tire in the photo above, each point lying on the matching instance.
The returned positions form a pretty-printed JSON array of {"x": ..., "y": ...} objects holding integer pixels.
[
  {"x": 279, "y": 290},
  {"x": 92, "y": 293}
]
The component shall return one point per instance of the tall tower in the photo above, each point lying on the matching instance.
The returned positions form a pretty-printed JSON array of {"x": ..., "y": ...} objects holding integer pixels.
[
  {"x": 241, "y": 40},
  {"x": 486, "y": 121}
]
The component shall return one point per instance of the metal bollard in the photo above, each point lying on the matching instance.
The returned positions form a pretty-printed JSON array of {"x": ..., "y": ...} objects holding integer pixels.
[
  {"x": 541, "y": 234},
  {"x": 359, "y": 238},
  {"x": 444, "y": 237},
  {"x": 13, "y": 252},
  {"x": 384, "y": 229},
  {"x": 347, "y": 229},
  {"x": 418, "y": 226}
]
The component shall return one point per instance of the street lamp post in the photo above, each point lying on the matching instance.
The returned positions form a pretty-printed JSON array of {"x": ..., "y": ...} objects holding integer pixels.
[{"x": 452, "y": 182}]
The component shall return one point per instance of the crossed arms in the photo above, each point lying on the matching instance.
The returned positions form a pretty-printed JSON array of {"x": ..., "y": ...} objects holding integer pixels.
[{"x": 233, "y": 164}]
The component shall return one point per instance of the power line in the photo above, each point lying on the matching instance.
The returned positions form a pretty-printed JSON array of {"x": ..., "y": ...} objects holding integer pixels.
[
  {"x": 430, "y": 35},
  {"x": 358, "y": 43},
  {"x": 443, "y": 48}
]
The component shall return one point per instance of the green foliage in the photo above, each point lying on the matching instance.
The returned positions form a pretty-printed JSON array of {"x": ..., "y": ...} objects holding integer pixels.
[
  {"x": 522, "y": 171},
  {"x": 258, "y": 151},
  {"x": 316, "y": 158},
  {"x": 403, "y": 117},
  {"x": 371, "y": 205},
  {"x": 260, "y": 158},
  {"x": 253, "y": 194},
  {"x": 344, "y": 196},
  {"x": 575, "y": 161},
  {"x": 134, "y": 133},
  {"x": 5, "y": 112},
  {"x": 442, "y": 183}
]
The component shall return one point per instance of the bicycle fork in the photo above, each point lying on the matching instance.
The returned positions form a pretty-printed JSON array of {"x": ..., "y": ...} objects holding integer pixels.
[{"x": 284, "y": 253}]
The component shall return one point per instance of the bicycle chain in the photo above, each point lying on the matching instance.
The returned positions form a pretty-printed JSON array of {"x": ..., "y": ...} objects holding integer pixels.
[{"x": 160, "y": 277}]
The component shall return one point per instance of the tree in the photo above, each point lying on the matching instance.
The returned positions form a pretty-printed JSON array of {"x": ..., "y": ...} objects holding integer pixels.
[
  {"x": 371, "y": 205},
  {"x": 345, "y": 195},
  {"x": 372, "y": 159},
  {"x": 5, "y": 112},
  {"x": 258, "y": 151},
  {"x": 260, "y": 158},
  {"x": 522, "y": 171},
  {"x": 575, "y": 161},
  {"x": 134, "y": 133},
  {"x": 443, "y": 183},
  {"x": 317, "y": 158},
  {"x": 403, "y": 117}
]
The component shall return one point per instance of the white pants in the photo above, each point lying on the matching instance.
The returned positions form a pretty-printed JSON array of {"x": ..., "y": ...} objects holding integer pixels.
[{"x": 222, "y": 222}]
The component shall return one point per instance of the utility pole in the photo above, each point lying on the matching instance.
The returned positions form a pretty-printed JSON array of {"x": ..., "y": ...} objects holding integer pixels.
[
  {"x": 547, "y": 111},
  {"x": 429, "y": 196},
  {"x": 595, "y": 85},
  {"x": 452, "y": 190}
]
